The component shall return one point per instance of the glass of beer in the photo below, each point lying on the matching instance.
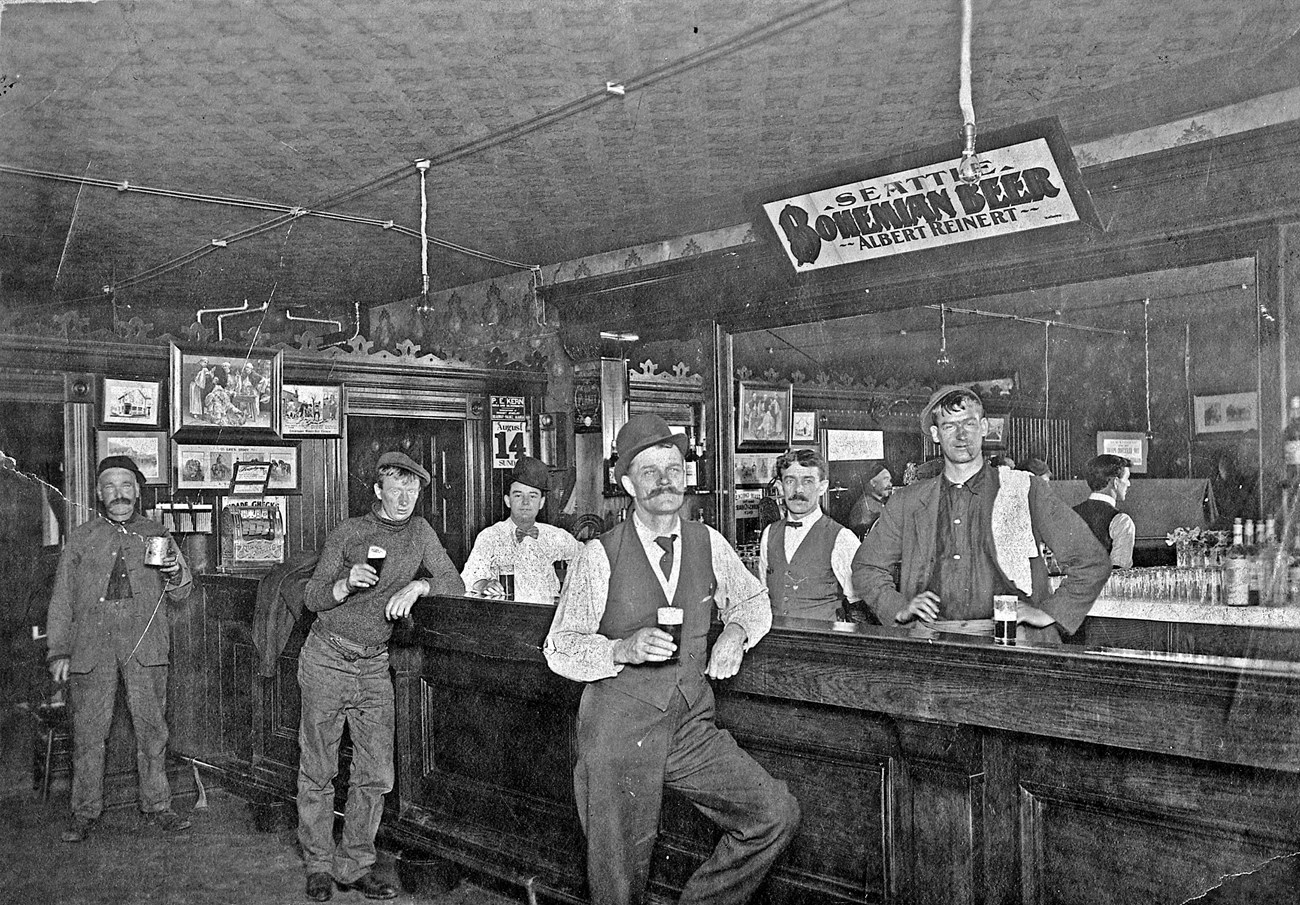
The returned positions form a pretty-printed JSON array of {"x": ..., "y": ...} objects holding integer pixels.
[
  {"x": 1004, "y": 618},
  {"x": 670, "y": 621},
  {"x": 506, "y": 578},
  {"x": 375, "y": 559}
]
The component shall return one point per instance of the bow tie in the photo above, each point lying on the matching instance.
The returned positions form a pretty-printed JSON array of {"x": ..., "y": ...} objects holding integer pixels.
[
  {"x": 794, "y": 524},
  {"x": 521, "y": 533}
]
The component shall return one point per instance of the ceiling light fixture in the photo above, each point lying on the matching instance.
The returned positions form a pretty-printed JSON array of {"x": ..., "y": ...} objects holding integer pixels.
[
  {"x": 969, "y": 168},
  {"x": 943, "y": 360}
]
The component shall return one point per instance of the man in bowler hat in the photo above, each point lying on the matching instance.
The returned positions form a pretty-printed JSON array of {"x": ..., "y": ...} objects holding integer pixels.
[
  {"x": 644, "y": 723},
  {"x": 520, "y": 544}
]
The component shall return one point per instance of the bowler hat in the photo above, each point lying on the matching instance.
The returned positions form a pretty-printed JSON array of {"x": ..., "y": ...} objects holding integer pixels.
[
  {"x": 405, "y": 463},
  {"x": 939, "y": 394},
  {"x": 125, "y": 462},
  {"x": 532, "y": 472},
  {"x": 640, "y": 433}
]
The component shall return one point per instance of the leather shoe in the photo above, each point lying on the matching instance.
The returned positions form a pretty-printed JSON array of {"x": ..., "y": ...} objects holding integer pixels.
[
  {"x": 371, "y": 887},
  {"x": 320, "y": 886}
]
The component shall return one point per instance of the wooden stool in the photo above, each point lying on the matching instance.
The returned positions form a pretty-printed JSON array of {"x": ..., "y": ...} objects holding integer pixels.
[{"x": 53, "y": 746}]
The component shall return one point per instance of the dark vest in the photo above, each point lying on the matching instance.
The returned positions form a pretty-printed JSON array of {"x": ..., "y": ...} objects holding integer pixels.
[
  {"x": 1098, "y": 515},
  {"x": 806, "y": 586},
  {"x": 634, "y": 598}
]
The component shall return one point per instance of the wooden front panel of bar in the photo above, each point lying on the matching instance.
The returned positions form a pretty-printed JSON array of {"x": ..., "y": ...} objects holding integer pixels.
[{"x": 927, "y": 772}]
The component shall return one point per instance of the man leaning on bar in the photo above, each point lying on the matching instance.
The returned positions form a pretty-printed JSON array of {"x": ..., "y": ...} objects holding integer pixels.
[{"x": 972, "y": 532}]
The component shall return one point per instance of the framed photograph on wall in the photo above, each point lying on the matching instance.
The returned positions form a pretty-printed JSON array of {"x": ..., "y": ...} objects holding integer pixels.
[
  {"x": 1226, "y": 413},
  {"x": 211, "y": 466},
  {"x": 312, "y": 410},
  {"x": 149, "y": 449},
  {"x": 225, "y": 391},
  {"x": 764, "y": 416},
  {"x": 1132, "y": 445},
  {"x": 130, "y": 403},
  {"x": 754, "y": 469},
  {"x": 996, "y": 438},
  {"x": 805, "y": 428}
]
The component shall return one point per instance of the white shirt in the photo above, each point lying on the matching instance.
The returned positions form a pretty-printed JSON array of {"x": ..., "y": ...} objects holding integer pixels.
[
  {"x": 532, "y": 559},
  {"x": 1122, "y": 534},
  {"x": 846, "y": 544}
]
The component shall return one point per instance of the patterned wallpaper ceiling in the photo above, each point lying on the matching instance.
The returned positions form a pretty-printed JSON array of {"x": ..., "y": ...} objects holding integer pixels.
[{"x": 325, "y": 104}]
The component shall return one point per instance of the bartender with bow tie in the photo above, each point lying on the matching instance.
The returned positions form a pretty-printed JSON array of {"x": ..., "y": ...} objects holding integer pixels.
[
  {"x": 520, "y": 544},
  {"x": 806, "y": 558}
]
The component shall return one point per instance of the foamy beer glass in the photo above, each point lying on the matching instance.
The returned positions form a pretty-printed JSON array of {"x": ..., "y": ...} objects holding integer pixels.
[
  {"x": 1004, "y": 618},
  {"x": 670, "y": 621},
  {"x": 375, "y": 559}
]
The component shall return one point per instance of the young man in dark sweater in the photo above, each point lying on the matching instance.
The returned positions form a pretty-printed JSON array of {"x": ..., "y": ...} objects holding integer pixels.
[{"x": 364, "y": 582}]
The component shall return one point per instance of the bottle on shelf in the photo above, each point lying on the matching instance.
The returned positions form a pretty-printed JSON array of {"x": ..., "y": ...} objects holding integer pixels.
[
  {"x": 1252, "y": 563},
  {"x": 1292, "y": 437},
  {"x": 692, "y": 461},
  {"x": 612, "y": 486},
  {"x": 1271, "y": 588},
  {"x": 1293, "y": 571},
  {"x": 1236, "y": 569}
]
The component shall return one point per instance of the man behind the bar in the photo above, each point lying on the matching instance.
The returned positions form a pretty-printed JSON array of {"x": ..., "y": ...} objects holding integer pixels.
[
  {"x": 867, "y": 509},
  {"x": 644, "y": 724},
  {"x": 520, "y": 543},
  {"x": 972, "y": 532},
  {"x": 806, "y": 558},
  {"x": 343, "y": 673},
  {"x": 1108, "y": 479},
  {"x": 107, "y": 618}
]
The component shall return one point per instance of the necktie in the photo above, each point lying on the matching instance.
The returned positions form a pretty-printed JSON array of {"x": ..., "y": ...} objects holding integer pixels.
[
  {"x": 521, "y": 533},
  {"x": 666, "y": 561},
  {"x": 794, "y": 524}
]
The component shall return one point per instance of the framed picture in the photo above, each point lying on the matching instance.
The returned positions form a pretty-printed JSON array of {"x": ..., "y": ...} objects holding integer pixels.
[
  {"x": 805, "y": 427},
  {"x": 1132, "y": 445},
  {"x": 764, "y": 416},
  {"x": 211, "y": 466},
  {"x": 311, "y": 410},
  {"x": 149, "y": 449},
  {"x": 130, "y": 403},
  {"x": 996, "y": 438},
  {"x": 754, "y": 469},
  {"x": 225, "y": 392},
  {"x": 1226, "y": 413}
]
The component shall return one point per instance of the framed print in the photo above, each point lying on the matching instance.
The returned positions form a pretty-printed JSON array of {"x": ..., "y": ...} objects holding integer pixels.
[
  {"x": 754, "y": 468},
  {"x": 854, "y": 445},
  {"x": 225, "y": 391},
  {"x": 211, "y": 466},
  {"x": 1132, "y": 445},
  {"x": 1226, "y": 413},
  {"x": 311, "y": 410},
  {"x": 805, "y": 428},
  {"x": 764, "y": 416},
  {"x": 149, "y": 449},
  {"x": 996, "y": 438},
  {"x": 130, "y": 403}
]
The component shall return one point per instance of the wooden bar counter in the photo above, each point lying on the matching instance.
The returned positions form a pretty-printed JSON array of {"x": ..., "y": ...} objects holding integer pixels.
[{"x": 946, "y": 771}]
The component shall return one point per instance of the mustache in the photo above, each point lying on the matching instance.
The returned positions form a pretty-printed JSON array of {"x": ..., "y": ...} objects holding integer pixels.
[
  {"x": 120, "y": 499},
  {"x": 660, "y": 491},
  {"x": 799, "y": 496}
]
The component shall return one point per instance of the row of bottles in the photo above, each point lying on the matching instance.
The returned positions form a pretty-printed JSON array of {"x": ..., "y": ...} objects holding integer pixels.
[{"x": 1257, "y": 571}]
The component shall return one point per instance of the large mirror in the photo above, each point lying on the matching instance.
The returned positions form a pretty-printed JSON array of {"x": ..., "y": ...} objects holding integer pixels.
[{"x": 1178, "y": 367}]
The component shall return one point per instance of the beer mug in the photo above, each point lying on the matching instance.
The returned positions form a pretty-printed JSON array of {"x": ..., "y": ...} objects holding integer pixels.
[
  {"x": 1004, "y": 618},
  {"x": 156, "y": 550},
  {"x": 375, "y": 559},
  {"x": 670, "y": 621},
  {"x": 507, "y": 581}
]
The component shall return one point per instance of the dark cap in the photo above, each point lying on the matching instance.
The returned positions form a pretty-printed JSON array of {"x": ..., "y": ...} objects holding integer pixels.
[
  {"x": 937, "y": 395},
  {"x": 125, "y": 462},
  {"x": 405, "y": 463},
  {"x": 640, "y": 433},
  {"x": 874, "y": 469},
  {"x": 1036, "y": 466},
  {"x": 532, "y": 472}
]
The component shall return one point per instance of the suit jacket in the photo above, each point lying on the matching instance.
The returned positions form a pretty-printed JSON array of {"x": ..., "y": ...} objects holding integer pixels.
[
  {"x": 905, "y": 538},
  {"x": 82, "y": 625}
]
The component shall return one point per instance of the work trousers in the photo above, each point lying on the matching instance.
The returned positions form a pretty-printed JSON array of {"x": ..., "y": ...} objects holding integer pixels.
[
  {"x": 628, "y": 752},
  {"x": 94, "y": 695},
  {"x": 343, "y": 682}
]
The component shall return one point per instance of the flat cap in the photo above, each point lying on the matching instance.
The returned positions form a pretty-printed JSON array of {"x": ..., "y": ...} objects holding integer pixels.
[
  {"x": 125, "y": 462},
  {"x": 532, "y": 472},
  {"x": 938, "y": 395},
  {"x": 405, "y": 463}
]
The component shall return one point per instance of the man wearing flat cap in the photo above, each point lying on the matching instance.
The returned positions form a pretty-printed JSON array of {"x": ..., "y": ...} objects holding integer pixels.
[
  {"x": 972, "y": 532},
  {"x": 366, "y": 580},
  {"x": 647, "y": 722},
  {"x": 879, "y": 488},
  {"x": 520, "y": 544},
  {"x": 108, "y": 617}
]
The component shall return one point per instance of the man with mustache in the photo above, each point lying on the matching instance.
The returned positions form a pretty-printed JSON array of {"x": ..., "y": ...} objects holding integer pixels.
[
  {"x": 806, "y": 558},
  {"x": 972, "y": 532},
  {"x": 646, "y": 723},
  {"x": 107, "y": 618}
]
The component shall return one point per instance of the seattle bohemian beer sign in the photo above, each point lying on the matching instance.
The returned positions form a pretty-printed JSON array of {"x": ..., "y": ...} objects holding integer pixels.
[{"x": 1026, "y": 184}]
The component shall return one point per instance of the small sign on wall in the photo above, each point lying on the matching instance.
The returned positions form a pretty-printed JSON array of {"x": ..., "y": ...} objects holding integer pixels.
[
  {"x": 1132, "y": 445},
  {"x": 853, "y": 445}
]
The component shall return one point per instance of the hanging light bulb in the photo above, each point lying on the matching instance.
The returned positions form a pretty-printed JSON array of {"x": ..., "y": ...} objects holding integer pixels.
[
  {"x": 969, "y": 168},
  {"x": 943, "y": 360}
]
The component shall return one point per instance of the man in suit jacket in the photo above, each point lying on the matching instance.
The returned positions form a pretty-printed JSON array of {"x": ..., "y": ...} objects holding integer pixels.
[{"x": 973, "y": 532}]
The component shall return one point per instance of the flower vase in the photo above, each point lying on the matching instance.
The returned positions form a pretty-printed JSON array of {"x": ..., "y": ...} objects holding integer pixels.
[{"x": 1184, "y": 550}]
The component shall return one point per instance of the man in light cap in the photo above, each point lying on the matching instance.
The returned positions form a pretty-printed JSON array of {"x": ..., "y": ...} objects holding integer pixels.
[
  {"x": 645, "y": 723},
  {"x": 366, "y": 580},
  {"x": 973, "y": 532},
  {"x": 106, "y": 619},
  {"x": 519, "y": 544}
]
